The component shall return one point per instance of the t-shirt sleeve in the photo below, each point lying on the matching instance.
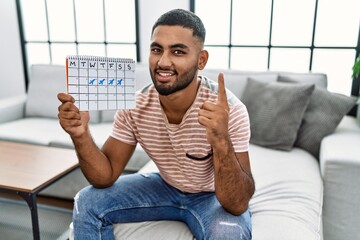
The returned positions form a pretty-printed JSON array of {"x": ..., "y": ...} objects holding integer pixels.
[
  {"x": 122, "y": 128},
  {"x": 239, "y": 127}
]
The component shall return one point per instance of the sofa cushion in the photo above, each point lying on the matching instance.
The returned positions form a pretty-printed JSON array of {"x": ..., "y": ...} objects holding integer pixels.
[
  {"x": 322, "y": 116},
  {"x": 100, "y": 133},
  {"x": 275, "y": 111},
  {"x": 319, "y": 79},
  {"x": 39, "y": 131},
  {"x": 12, "y": 108},
  {"x": 107, "y": 116},
  {"x": 151, "y": 230},
  {"x": 46, "y": 81},
  {"x": 287, "y": 203}
]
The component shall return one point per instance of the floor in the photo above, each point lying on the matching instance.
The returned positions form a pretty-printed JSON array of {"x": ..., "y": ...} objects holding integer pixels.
[{"x": 15, "y": 219}]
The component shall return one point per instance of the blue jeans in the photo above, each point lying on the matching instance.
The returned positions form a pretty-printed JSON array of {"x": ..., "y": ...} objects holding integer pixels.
[{"x": 146, "y": 197}]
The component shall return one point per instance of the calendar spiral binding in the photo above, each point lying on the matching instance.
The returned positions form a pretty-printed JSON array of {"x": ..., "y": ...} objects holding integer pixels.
[{"x": 100, "y": 58}]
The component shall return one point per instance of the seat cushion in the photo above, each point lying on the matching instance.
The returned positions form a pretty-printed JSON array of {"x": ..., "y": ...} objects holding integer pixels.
[
  {"x": 160, "y": 230},
  {"x": 287, "y": 204}
]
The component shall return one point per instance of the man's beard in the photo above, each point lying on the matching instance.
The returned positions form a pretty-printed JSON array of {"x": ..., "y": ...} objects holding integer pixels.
[{"x": 180, "y": 83}]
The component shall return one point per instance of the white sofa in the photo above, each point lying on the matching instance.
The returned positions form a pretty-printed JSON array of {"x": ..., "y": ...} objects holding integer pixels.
[{"x": 298, "y": 195}]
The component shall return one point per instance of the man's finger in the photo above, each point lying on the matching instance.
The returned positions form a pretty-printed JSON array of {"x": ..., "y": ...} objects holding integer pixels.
[
  {"x": 63, "y": 97},
  {"x": 222, "y": 98}
]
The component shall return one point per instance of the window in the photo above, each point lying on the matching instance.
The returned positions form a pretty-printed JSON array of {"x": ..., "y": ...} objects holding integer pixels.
[
  {"x": 300, "y": 36},
  {"x": 52, "y": 29}
]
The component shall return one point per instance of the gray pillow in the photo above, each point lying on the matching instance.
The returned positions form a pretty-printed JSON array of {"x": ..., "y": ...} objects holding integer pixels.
[
  {"x": 275, "y": 111},
  {"x": 319, "y": 79},
  {"x": 321, "y": 117}
]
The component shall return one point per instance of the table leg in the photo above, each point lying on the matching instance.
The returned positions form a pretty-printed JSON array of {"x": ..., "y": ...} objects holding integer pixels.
[{"x": 30, "y": 199}]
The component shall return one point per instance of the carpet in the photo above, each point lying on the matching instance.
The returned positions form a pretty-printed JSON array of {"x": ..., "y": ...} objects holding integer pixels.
[{"x": 15, "y": 221}]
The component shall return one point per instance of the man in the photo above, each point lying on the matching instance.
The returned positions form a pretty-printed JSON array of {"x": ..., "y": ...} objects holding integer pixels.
[{"x": 195, "y": 132}]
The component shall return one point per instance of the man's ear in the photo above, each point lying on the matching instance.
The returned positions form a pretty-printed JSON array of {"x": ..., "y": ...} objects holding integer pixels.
[{"x": 203, "y": 58}]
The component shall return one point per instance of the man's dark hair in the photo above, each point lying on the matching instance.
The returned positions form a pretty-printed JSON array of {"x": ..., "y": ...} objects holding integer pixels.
[{"x": 186, "y": 19}]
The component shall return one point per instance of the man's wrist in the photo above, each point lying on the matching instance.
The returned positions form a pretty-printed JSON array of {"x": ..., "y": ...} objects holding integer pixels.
[
  {"x": 80, "y": 139},
  {"x": 222, "y": 147}
]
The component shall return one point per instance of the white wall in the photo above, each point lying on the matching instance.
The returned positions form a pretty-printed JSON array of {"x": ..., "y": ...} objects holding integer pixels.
[
  {"x": 149, "y": 12},
  {"x": 11, "y": 67}
]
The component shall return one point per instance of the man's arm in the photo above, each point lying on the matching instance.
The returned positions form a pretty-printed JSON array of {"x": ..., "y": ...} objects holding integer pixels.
[
  {"x": 100, "y": 167},
  {"x": 234, "y": 184}
]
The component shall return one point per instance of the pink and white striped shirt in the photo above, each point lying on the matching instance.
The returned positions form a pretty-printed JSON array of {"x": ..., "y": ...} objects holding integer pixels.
[{"x": 169, "y": 145}]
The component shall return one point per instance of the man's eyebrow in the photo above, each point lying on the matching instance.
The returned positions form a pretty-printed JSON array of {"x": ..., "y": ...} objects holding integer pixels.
[
  {"x": 177, "y": 45},
  {"x": 155, "y": 44}
]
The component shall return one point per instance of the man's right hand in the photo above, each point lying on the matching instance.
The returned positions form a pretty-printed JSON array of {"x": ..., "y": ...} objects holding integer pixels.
[{"x": 74, "y": 122}]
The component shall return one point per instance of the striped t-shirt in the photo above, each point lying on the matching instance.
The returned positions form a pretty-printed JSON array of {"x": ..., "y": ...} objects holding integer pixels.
[{"x": 169, "y": 145}]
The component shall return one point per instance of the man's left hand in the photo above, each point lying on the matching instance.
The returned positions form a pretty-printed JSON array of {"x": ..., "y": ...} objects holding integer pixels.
[{"x": 215, "y": 116}]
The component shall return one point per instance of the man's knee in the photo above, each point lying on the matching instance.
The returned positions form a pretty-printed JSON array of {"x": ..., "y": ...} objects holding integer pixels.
[
  {"x": 227, "y": 226},
  {"x": 229, "y": 230},
  {"x": 86, "y": 201}
]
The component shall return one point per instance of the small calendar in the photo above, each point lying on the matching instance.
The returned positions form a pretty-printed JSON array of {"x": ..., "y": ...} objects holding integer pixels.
[{"x": 101, "y": 83}]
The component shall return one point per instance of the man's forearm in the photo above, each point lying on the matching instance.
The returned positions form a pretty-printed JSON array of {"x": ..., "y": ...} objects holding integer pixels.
[
  {"x": 234, "y": 185},
  {"x": 93, "y": 163}
]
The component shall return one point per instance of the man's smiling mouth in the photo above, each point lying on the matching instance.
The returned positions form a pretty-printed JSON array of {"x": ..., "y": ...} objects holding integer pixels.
[
  {"x": 164, "y": 76},
  {"x": 167, "y": 74}
]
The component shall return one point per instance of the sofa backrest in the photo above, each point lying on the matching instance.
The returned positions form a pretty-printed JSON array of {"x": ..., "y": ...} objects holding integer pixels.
[
  {"x": 236, "y": 80},
  {"x": 47, "y": 80}
]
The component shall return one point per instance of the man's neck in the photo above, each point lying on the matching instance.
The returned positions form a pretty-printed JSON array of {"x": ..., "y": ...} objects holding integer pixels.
[{"x": 175, "y": 105}]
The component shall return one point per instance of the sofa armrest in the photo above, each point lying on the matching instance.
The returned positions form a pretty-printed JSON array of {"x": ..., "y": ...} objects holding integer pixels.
[
  {"x": 12, "y": 108},
  {"x": 340, "y": 168}
]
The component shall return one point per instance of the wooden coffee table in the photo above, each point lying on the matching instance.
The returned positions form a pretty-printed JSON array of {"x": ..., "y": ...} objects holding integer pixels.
[{"x": 26, "y": 169}]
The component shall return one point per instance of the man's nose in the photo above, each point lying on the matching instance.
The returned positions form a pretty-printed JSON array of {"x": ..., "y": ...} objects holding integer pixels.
[{"x": 165, "y": 60}]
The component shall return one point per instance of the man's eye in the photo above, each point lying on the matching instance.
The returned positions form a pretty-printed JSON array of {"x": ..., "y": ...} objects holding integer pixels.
[
  {"x": 179, "y": 52},
  {"x": 155, "y": 50}
]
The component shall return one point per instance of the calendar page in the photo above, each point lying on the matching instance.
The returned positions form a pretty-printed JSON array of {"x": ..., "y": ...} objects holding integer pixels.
[{"x": 101, "y": 83}]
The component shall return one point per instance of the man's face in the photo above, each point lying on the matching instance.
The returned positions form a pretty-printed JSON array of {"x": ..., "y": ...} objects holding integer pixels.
[{"x": 174, "y": 58}]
